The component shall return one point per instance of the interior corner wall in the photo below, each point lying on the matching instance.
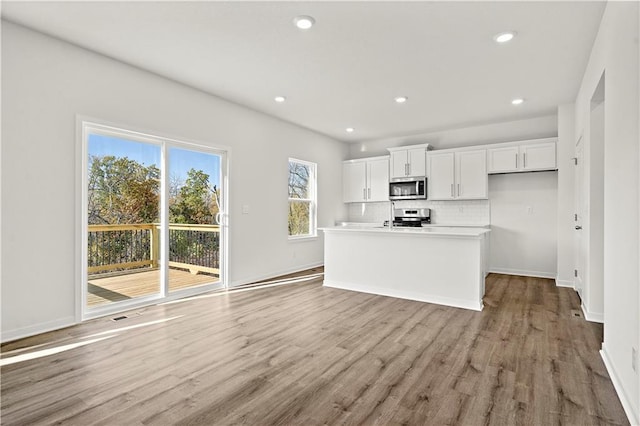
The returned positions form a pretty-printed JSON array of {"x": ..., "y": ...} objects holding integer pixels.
[
  {"x": 566, "y": 190},
  {"x": 615, "y": 51},
  {"x": 46, "y": 83}
]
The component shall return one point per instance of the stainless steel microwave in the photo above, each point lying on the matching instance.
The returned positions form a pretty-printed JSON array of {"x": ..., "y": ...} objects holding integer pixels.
[{"x": 408, "y": 188}]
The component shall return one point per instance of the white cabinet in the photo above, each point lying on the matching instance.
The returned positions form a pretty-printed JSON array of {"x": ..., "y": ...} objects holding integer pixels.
[
  {"x": 471, "y": 174},
  {"x": 353, "y": 181},
  {"x": 441, "y": 176},
  {"x": 457, "y": 175},
  {"x": 503, "y": 160},
  {"x": 365, "y": 180},
  {"x": 540, "y": 156},
  {"x": 522, "y": 157},
  {"x": 408, "y": 161}
]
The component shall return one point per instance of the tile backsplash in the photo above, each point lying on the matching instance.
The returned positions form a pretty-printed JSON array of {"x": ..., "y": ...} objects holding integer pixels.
[{"x": 468, "y": 212}]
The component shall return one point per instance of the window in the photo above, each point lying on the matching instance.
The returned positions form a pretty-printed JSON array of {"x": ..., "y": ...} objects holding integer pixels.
[{"x": 302, "y": 199}]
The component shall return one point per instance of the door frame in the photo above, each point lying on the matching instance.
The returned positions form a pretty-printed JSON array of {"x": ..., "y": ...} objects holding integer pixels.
[{"x": 84, "y": 123}]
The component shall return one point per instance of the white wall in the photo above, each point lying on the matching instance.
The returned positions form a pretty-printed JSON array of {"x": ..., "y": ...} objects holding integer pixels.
[
  {"x": 524, "y": 223},
  {"x": 615, "y": 50},
  {"x": 45, "y": 83},
  {"x": 566, "y": 233},
  {"x": 530, "y": 128}
]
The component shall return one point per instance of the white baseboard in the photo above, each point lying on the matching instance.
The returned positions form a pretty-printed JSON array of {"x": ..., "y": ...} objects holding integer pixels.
[
  {"x": 592, "y": 316},
  {"x": 524, "y": 273},
  {"x": 565, "y": 283},
  {"x": 438, "y": 300},
  {"x": 274, "y": 274},
  {"x": 32, "y": 330},
  {"x": 633, "y": 417}
]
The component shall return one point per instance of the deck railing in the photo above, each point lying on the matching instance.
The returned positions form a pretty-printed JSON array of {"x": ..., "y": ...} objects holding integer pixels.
[{"x": 133, "y": 246}]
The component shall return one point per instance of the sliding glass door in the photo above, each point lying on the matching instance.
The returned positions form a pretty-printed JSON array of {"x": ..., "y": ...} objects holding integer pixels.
[
  {"x": 194, "y": 218},
  {"x": 153, "y": 212}
]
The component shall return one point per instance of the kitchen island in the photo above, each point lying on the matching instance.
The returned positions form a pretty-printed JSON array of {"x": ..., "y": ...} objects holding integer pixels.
[{"x": 443, "y": 265}]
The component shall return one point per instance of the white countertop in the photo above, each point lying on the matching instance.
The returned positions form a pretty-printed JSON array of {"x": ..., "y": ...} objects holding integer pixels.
[{"x": 451, "y": 231}]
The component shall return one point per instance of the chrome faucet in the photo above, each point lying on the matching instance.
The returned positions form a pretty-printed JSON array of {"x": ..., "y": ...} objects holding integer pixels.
[{"x": 393, "y": 206}]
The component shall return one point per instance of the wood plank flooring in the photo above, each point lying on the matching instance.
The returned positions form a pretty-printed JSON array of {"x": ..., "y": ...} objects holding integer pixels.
[{"x": 301, "y": 354}]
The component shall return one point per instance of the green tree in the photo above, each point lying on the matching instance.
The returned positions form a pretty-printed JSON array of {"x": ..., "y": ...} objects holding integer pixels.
[
  {"x": 122, "y": 191},
  {"x": 196, "y": 201}
]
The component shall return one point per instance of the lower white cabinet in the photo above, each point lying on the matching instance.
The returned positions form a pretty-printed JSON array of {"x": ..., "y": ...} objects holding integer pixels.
[
  {"x": 366, "y": 180},
  {"x": 522, "y": 157},
  {"x": 457, "y": 175}
]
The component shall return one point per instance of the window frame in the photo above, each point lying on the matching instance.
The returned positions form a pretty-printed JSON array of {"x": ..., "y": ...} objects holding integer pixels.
[{"x": 312, "y": 200}]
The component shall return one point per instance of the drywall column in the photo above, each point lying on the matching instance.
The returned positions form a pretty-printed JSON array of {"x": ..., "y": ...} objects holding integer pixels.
[{"x": 566, "y": 152}]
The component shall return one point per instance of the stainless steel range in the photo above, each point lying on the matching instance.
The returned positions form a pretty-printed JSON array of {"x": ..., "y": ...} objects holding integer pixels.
[{"x": 411, "y": 217}]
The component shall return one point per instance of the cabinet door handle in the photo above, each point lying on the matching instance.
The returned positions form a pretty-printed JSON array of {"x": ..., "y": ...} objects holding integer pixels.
[
  {"x": 524, "y": 160},
  {"x": 516, "y": 160},
  {"x": 408, "y": 169},
  {"x": 364, "y": 193},
  {"x": 369, "y": 193},
  {"x": 451, "y": 190},
  {"x": 458, "y": 190}
]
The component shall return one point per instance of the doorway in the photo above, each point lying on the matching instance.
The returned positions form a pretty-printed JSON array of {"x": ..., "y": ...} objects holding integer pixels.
[
  {"x": 589, "y": 208},
  {"x": 153, "y": 219}
]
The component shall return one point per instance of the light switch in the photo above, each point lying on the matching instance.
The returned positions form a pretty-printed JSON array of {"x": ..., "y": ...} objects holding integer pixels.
[{"x": 245, "y": 209}]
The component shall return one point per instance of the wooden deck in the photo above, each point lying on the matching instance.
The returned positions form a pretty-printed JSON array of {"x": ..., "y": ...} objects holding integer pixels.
[{"x": 137, "y": 284}]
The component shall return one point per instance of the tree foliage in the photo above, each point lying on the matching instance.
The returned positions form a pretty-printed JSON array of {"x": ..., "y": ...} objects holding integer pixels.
[
  {"x": 195, "y": 201},
  {"x": 299, "y": 190},
  {"x": 122, "y": 191}
]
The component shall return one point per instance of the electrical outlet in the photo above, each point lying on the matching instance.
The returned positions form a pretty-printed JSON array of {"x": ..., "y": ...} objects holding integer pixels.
[
  {"x": 529, "y": 210},
  {"x": 461, "y": 209},
  {"x": 634, "y": 359},
  {"x": 245, "y": 209}
]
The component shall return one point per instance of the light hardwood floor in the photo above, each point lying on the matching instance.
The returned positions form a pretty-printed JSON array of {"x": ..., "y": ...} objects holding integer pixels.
[{"x": 304, "y": 354}]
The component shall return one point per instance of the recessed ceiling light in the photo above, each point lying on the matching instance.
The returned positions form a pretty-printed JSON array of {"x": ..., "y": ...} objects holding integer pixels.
[
  {"x": 504, "y": 37},
  {"x": 400, "y": 99},
  {"x": 304, "y": 22},
  {"x": 350, "y": 129},
  {"x": 517, "y": 101},
  {"x": 280, "y": 99}
]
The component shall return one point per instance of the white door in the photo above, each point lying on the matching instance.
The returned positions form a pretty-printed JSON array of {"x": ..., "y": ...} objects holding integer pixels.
[
  {"x": 378, "y": 180},
  {"x": 580, "y": 210},
  {"x": 399, "y": 166},
  {"x": 441, "y": 176},
  {"x": 353, "y": 184},
  {"x": 471, "y": 173}
]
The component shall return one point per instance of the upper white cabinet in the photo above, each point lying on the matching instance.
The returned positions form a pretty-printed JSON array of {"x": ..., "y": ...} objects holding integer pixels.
[
  {"x": 457, "y": 174},
  {"x": 408, "y": 161},
  {"x": 441, "y": 176},
  {"x": 539, "y": 156},
  {"x": 522, "y": 156},
  {"x": 471, "y": 174},
  {"x": 366, "y": 180}
]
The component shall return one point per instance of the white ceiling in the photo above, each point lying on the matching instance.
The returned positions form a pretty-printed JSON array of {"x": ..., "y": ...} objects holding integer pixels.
[{"x": 346, "y": 70}]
